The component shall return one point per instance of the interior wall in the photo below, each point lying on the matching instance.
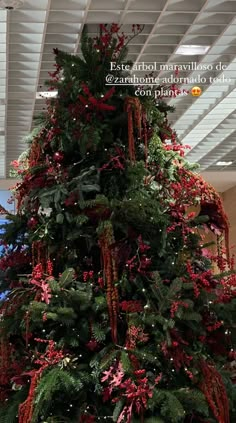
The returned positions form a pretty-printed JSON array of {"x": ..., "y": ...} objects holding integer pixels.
[
  {"x": 7, "y": 183},
  {"x": 6, "y": 195}
]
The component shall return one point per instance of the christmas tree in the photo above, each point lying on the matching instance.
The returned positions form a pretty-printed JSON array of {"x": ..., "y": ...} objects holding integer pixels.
[{"x": 117, "y": 308}]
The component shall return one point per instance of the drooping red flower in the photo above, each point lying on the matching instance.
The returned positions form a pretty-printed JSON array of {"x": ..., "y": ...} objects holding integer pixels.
[
  {"x": 87, "y": 418},
  {"x": 97, "y": 104},
  {"x": 131, "y": 306},
  {"x": 92, "y": 345}
]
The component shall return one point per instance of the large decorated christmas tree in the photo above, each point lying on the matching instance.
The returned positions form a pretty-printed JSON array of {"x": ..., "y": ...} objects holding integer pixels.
[{"x": 117, "y": 309}]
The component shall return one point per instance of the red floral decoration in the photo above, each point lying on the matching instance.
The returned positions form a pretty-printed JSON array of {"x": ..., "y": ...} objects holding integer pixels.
[
  {"x": 96, "y": 104},
  {"x": 134, "y": 391},
  {"x": 214, "y": 390},
  {"x": 50, "y": 358},
  {"x": 42, "y": 282},
  {"x": 106, "y": 240},
  {"x": 16, "y": 259},
  {"x": 134, "y": 113}
]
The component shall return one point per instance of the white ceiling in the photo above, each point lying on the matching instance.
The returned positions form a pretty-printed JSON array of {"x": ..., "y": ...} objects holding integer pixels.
[{"x": 207, "y": 123}]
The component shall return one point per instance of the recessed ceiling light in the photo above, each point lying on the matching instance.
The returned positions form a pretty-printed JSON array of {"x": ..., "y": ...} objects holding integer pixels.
[
  {"x": 46, "y": 94},
  {"x": 224, "y": 163},
  {"x": 192, "y": 50},
  {"x": 11, "y": 4}
]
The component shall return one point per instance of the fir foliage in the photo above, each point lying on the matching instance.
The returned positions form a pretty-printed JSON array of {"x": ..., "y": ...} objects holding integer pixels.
[{"x": 115, "y": 306}]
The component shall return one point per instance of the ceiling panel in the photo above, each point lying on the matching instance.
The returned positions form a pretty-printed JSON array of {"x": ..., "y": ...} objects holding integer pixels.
[{"x": 29, "y": 34}]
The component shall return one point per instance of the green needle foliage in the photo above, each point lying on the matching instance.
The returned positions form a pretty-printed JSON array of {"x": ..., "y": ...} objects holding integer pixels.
[{"x": 117, "y": 308}]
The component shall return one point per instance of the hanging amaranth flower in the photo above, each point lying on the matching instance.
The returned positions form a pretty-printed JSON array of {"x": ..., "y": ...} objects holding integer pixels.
[{"x": 97, "y": 104}]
